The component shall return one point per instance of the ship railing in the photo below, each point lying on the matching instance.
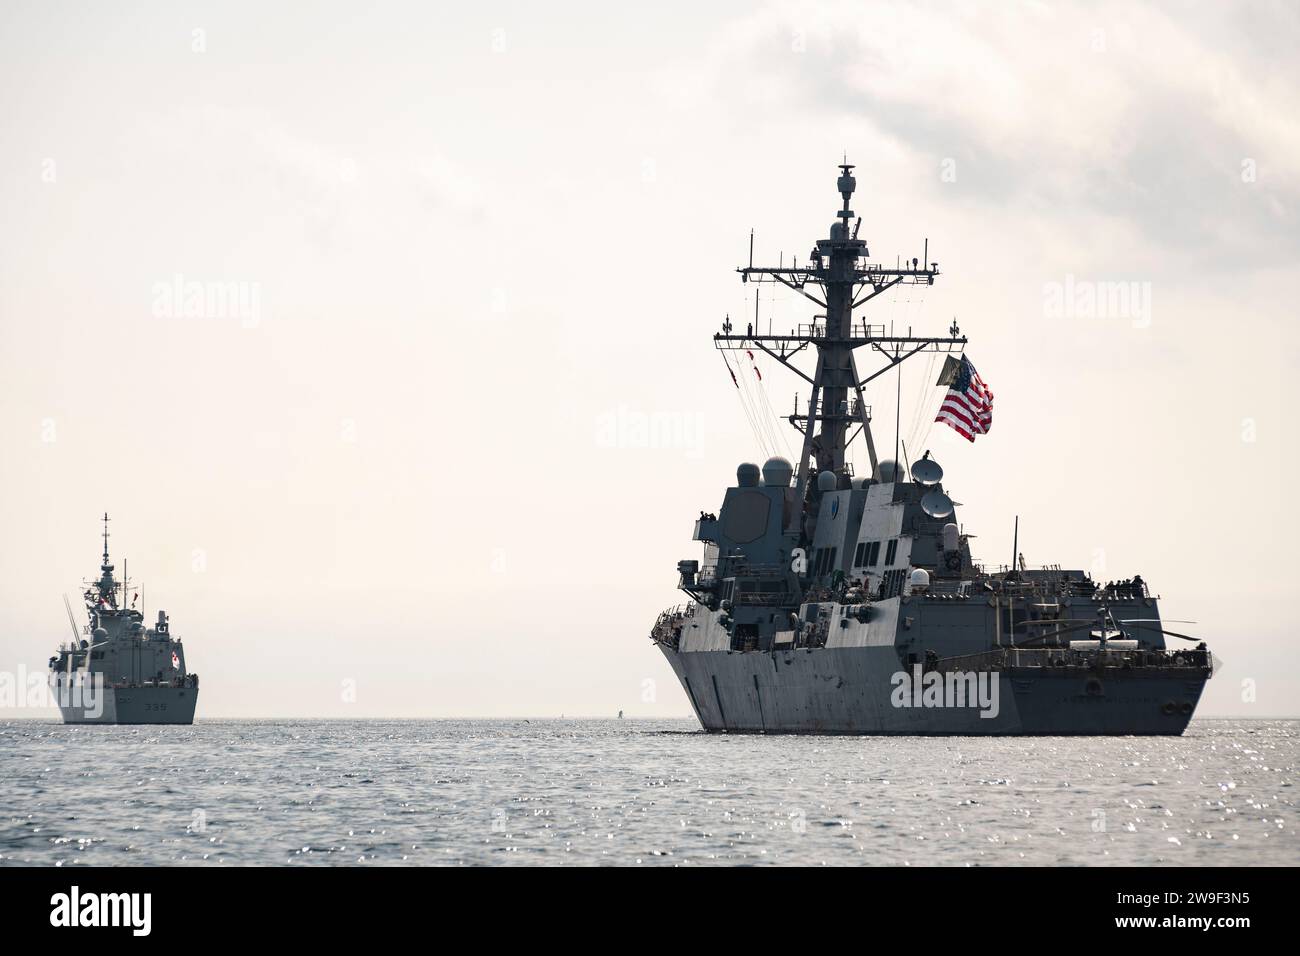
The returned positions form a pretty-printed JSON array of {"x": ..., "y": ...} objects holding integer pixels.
[
  {"x": 1062, "y": 657},
  {"x": 739, "y": 567},
  {"x": 817, "y": 330},
  {"x": 1122, "y": 590},
  {"x": 946, "y": 586},
  {"x": 706, "y": 529},
  {"x": 853, "y": 408},
  {"x": 765, "y": 598},
  {"x": 1051, "y": 577},
  {"x": 668, "y": 626},
  {"x": 813, "y": 635}
]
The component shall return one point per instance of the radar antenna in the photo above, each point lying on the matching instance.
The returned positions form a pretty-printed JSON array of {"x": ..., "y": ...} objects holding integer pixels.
[
  {"x": 106, "y": 564},
  {"x": 838, "y": 282}
]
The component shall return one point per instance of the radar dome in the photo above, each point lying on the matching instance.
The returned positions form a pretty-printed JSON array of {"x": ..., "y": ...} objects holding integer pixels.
[
  {"x": 826, "y": 481},
  {"x": 920, "y": 578},
  {"x": 99, "y": 634},
  {"x": 885, "y": 470},
  {"x": 951, "y": 537},
  {"x": 747, "y": 475},
  {"x": 777, "y": 473}
]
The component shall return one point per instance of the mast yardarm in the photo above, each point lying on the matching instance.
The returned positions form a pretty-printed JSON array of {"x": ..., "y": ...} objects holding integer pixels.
[{"x": 839, "y": 280}]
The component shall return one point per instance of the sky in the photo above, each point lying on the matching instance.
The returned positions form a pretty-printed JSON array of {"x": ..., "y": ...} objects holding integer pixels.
[{"x": 383, "y": 331}]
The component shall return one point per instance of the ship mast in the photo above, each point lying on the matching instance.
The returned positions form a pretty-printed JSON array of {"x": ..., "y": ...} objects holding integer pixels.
[
  {"x": 844, "y": 283},
  {"x": 106, "y": 585}
]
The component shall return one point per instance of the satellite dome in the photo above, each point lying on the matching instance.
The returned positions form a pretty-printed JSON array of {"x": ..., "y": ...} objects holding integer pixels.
[
  {"x": 936, "y": 504},
  {"x": 927, "y": 471},
  {"x": 839, "y": 231},
  {"x": 885, "y": 470},
  {"x": 747, "y": 475},
  {"x": 826, "y": 481},
  {"x": 99, "y": 634},
  {"x": 777, "y": 473},
  {"x": 920, "y": 578}
]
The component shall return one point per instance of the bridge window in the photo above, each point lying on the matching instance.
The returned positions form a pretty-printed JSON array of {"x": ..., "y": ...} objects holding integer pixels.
[
  {"x": 891, "y": 584},
  {"x": 824, "y": 561},
  {"x": 891, "y": 552}
]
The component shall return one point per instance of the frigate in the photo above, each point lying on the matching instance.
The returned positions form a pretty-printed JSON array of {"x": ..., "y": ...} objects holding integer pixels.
[
  {"x": 827, "y": 603},
  {"x": 115, "y": 670}
]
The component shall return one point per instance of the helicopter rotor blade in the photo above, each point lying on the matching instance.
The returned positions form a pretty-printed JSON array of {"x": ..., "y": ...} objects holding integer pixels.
[
  {"x": 1065, "y": 630},
  {"x": 1185, "y": 637},
  {"x": 1045, "y": 622}
]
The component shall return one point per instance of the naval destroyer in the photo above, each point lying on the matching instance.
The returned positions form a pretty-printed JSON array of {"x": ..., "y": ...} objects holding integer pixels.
[
  {"x": 116, "y": 670},
  {"x": 829, "y": 603}
]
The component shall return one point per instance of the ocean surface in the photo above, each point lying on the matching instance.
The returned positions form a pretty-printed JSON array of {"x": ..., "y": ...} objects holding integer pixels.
[{"x": 637, "y": 792}]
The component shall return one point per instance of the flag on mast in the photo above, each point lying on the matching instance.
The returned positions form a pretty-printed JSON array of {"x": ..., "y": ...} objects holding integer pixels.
[{"x": 968, "y": 407}]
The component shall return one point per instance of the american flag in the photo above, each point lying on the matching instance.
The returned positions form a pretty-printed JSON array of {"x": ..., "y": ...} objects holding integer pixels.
[{"x": 968, "y": 406}]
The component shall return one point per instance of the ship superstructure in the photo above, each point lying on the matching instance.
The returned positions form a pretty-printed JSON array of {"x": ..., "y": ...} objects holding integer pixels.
[
  {"x": 831, "y": 603},
  {"x": 116, "y": 670}
]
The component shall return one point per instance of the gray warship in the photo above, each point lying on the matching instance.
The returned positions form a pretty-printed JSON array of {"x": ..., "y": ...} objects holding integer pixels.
[
  {"x": 827, "y": 603},
  {"x": 115, "y": 670}
]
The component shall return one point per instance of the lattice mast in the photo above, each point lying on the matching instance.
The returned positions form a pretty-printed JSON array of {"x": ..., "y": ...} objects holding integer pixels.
[{"x": 836, "y": 402}]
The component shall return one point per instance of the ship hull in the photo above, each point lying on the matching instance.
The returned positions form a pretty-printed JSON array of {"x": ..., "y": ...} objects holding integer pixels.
[
  {"x": 856, "y": 691},
  {"x": 133, "y": 705}
]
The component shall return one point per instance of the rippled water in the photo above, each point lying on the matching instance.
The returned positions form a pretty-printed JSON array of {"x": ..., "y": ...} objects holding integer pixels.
[{"x": 635, "y": 791}]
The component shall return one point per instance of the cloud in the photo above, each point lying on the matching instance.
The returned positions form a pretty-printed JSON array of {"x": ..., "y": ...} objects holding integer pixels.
[{"x": 1167, "y": 123}]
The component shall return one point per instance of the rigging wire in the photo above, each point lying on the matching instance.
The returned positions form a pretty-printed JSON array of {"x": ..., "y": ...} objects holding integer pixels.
[
  {"x": 751, "y": 406},
  {"x": 764, "y": 418},
  {"x": 756, "y": 415},
  {"x": 744, "y": 404},
  {"x": 763, "y": 404},
  {"x": 920, "y": 404},
  {"x": 779, "y": 434}
]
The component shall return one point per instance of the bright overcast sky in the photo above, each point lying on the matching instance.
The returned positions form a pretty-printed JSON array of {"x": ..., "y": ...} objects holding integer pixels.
[{"x": 477, "y": 248}]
